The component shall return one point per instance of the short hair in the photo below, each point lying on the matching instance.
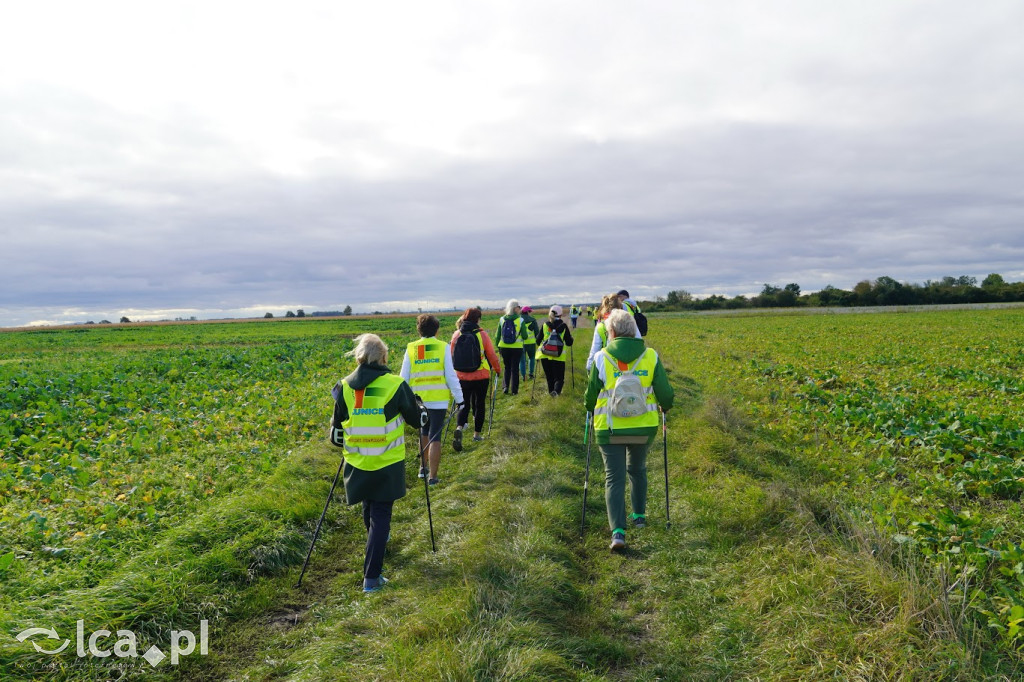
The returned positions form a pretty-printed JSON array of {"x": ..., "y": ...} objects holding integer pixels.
[
  {"x": 369, "y": 349},
  {"x": 511, "y": 305},
  {"x": 472, "y": 314},
  {"x": 620, "y": 323},
  {"x": 427, "y": 325}
]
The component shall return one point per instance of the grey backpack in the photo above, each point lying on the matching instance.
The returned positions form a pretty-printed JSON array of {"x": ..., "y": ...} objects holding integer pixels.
[{"x": 628, "y": 398}]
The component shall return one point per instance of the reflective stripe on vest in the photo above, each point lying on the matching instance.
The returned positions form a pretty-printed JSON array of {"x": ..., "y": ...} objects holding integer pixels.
[
  {"x": 426, "y": 370},
  {"x": 644, "y": 369},
  {"x": 518, "y": 322},
  {"x": 370, "y": 441}
]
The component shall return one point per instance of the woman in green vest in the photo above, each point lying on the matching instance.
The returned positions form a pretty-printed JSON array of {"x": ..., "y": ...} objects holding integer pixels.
[
  {"x": 371, "y": 408},
  {"x": 530, "y": 344},
  {"x": 511, "y": 335},
  {"x": 624, "y": 429},
  {"x": 554, "y": 365}
]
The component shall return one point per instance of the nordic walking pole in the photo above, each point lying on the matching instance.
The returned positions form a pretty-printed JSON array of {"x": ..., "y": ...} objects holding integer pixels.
[
  {"x": 446, "y": 423},
  {"x": 664, "y": 446},
  {"x": 494, "y": 392},
  {"x": 586, "y": 476},
  {"x": 316, "y": 533},
  {"x": 426, "y": 483},
  {"x": 572, "y": 368}
]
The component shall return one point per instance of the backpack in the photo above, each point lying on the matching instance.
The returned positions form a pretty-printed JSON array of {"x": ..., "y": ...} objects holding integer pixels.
[
  {"x": 466, "y": 355},
  {"x": 554, "y": 346},
  {"x": 509, "y": 333},
  {"x": 641, "y": 322},
  {"x": 628, "y": 398}
]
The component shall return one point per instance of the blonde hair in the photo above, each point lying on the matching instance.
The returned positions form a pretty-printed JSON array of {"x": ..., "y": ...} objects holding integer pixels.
[
  {"x": 369, "y": 349},
  {"x": 511, "y": 305},
  {"x": 609, "y": 303}
]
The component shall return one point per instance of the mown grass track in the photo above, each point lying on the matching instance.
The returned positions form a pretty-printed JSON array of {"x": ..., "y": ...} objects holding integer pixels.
[{"x": 769, "y": 571}]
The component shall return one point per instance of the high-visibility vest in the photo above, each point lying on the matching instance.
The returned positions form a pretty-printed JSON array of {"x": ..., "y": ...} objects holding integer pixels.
[
  {"x": 546, "y": 333},
  {"x": 628, "y": 307},
  {"x": 370, "y": 441},
  {"x": 602, "y": 331},
  {"x": 426, "y": 370},
  {"x": 518, "y": 343},
  {"x": 643, "y": 368}
]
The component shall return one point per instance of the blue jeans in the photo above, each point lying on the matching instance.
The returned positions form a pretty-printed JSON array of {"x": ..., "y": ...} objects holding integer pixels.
[{"x": 531, "y": 352}]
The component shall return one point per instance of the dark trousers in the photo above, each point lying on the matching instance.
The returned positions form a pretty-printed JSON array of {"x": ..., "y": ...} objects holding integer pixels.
[
  {"x": 377, "y": 519},
  {"x": 474, "y": 395},
  {"x": 510, "y": 358},
  {"x": 554, "y": 372}
]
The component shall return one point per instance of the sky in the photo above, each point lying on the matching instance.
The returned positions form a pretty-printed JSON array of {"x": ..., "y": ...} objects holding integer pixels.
[{"x": 228, "y": 159}]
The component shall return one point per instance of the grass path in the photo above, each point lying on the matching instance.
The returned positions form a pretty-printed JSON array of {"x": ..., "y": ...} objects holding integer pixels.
[{"x": 758, "y": 578}]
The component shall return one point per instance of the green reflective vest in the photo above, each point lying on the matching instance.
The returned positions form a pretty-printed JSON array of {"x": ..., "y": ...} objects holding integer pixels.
[
  {"x": 602, "y": 331},
  {"x": 370, "y": 441},
  {"x": 426, "y": 370},
  {"x": 643, "y": 368}
]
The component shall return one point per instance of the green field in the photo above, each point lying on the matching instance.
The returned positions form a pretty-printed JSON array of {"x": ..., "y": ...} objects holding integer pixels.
[{"x": 845, "y": 498}]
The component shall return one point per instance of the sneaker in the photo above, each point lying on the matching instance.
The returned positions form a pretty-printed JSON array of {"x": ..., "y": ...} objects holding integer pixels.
[
  {"x": 457, "y": 440},
  {"x": 477, "y": 437},
  {"x": 639, "y": 520},
  {"x": 433, "y": 481},
  {"x": 618, "y": 541},
  {"x": 554, "y": 394},
  {"x": 374, "y": 585},
  {"x": 423, "y": 472}
]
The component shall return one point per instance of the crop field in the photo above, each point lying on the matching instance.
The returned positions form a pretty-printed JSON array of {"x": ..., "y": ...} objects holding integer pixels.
[{"x": 845, "y": 496}]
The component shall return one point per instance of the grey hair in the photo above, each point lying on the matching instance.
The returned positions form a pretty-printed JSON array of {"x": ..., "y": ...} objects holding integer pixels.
[
  {"x": 369, "y": 349},
  {"x": 620, "y": 324},
  {"x": 511, "y": 305}
]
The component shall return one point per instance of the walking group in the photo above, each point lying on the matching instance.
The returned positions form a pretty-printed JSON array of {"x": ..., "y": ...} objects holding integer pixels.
[{"x": 627, "y": 385}]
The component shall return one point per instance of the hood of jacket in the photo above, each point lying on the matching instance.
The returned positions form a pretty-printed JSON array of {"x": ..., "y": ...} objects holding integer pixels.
[
  {"x": 626, "y": 349},
  {"x": 364, "y": 375}
]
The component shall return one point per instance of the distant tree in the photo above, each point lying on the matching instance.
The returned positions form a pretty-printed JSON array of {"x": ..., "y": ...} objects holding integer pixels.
[
  {"x": 993, "y": 281},
  {"x": 124, "y": 320},
  {"x": 679, "y": 298},
  {"x": 965, "y": 281},
  {"x": 289, "y": 314},
  {"x": 347, "y": 310},
  {"x": 268, "y": 316},
  {"x": 300, "y": 312},
  {"x": 377, "y": 312},
  {"x": 90, "y": 322},
  {"x": 104, "y": 321}
]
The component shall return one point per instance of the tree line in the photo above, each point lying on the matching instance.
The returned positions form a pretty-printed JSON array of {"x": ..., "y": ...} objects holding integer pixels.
[{"x": 883, "y": 291}]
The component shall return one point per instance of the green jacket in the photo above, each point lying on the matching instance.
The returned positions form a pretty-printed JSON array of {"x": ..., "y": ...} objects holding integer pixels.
[
  {"x": 524, "y": 330},
  {"x": 387, "y": 484},
  {"x": 628, "y": 350}
]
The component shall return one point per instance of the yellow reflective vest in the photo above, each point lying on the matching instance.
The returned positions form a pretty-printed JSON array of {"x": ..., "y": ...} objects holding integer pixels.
[
  {"x": 643, "y": 368},
  {"x": 546, "y": 332},
  {"x": 426, "y": 370},
  {"x": 370, "y": 441},
  {"x": 518, "y": 343}
]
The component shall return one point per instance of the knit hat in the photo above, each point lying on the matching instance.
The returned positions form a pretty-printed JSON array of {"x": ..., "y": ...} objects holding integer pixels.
[{"x": 556, "y": 310}]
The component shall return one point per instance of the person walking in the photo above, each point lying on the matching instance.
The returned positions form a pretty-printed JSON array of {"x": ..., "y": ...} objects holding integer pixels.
[
  {"x": 473, "y": 365},
  {"x": 552, "y": 353},
  {"x": 530, "y": 344},
  {"x": 371, "y": 408},
  {"x": 511, "y": 335},
  {"x": 427, "y": 367},
  {"x": 625, "y": 369},
  {"x": 600, "y": 339},
  {"x": 574, "y": 313}
]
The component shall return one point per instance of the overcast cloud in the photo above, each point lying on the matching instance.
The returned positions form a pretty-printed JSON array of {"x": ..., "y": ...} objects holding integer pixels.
[{"x": 226, "y": 158}]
